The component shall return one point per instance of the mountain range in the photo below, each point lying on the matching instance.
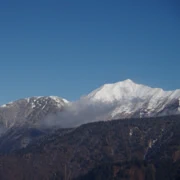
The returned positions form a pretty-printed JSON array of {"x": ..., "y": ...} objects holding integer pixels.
[
  {"x": 118, "y": 131},
  {"x": 124, "y": 99}
]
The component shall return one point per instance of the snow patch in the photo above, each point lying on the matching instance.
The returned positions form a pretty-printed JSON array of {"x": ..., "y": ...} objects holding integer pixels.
[
  {"x": 6, "y": 105},
  {"x": 131, "y": 132}
]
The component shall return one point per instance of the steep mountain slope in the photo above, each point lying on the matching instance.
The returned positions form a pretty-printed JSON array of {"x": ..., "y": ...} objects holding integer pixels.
[
  {"x": 29, "y": 111},
  {"x": 24, "y": 120},
  {"x": 69, "y": 153},
  {"x": 19, "y": 137},
  {"x": 161, "y": 160}
]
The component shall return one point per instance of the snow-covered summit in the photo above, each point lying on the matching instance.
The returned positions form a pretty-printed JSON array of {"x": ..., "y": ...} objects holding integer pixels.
[
  {"x": 127, "y": 99},
  {"x": 127, "y": 90},
  {"x": 35, "y": 99}
]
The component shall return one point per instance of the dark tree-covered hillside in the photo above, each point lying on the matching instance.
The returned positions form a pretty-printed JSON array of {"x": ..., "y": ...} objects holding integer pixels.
[{"x": 132, "y": 149}]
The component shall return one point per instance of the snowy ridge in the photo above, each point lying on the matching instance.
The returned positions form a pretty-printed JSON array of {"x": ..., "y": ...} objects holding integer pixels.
[
  {"x": 128, "y": 89},
  {"x": 128, "y": 99},
  {"x": 59, "y": 101}
]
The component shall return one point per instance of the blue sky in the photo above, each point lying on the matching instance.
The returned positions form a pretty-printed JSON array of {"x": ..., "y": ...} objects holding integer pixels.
[{"x": 68, "y": 48}]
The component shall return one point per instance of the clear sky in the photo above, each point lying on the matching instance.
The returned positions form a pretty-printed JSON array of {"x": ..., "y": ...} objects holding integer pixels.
[{"x": 70, "y": 47}]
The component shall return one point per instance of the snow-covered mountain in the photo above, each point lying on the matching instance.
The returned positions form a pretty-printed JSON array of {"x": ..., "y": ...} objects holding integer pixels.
[
  {"x": 131, "y": 99},
  {"x": 128, "y": 90},
  {"x": 30, "y": 110},
  {"x": 23, "y": 121},
  {"x": 126, "y": 99}
]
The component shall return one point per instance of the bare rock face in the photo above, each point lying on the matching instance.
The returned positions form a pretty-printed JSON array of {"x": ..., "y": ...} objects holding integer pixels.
[{"x": 29, "y": 111}]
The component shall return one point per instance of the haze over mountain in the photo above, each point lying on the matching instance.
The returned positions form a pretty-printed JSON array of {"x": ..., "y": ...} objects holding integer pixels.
[
  {"x": 124, "y": 99},
  {"x": 30, "y": 111}
]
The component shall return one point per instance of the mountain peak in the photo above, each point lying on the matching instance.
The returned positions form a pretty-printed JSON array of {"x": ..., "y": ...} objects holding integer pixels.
[
  {"x": 128, "y": 90},
  {"x": 127, "y": 81},
  {"x": 116, "y": 91},
  {"x": 124, "y": 82}
]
